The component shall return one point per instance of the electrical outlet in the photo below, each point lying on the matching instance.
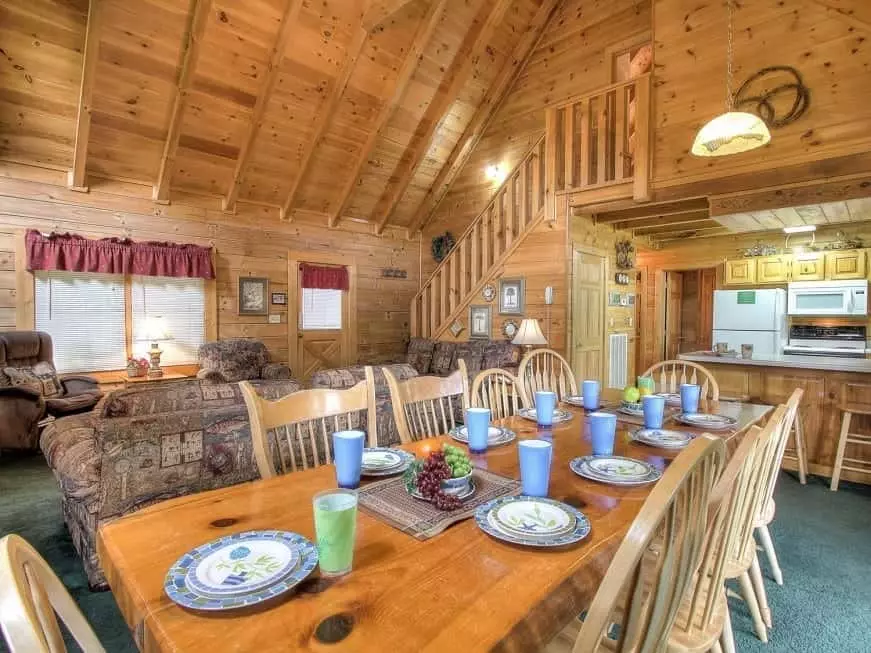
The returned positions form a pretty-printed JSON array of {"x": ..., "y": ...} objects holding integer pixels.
[{"x": 275, "y": 318}]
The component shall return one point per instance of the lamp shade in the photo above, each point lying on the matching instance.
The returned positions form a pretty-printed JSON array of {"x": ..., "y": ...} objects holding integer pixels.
[
  {"x": 731, "y": 133},
  {"x": 529, "y": 333},
  {"x": 155, "y": 329}
]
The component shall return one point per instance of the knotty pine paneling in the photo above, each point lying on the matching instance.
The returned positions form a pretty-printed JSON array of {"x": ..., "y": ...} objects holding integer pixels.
[{"x": 253, "y": 244}]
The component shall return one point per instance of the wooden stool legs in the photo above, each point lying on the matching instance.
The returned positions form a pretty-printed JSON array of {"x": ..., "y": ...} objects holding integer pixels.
[
  {"x": 843, "y": 439},
  {"x": 800, "y": 453},
  {"x": 728, "y": 639},
  {"x": 759, "y": 590},
  {"x": 770, "y": 553}
]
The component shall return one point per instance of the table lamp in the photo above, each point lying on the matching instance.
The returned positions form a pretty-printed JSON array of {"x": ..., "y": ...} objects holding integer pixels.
[
  {"x": 529, "y": 334},
  {"x": 155, "y": 331}
]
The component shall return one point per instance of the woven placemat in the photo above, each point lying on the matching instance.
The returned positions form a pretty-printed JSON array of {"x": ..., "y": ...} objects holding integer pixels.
[
  {"x": 668, "y": 415},
  {"x": 390, "y": 501}
]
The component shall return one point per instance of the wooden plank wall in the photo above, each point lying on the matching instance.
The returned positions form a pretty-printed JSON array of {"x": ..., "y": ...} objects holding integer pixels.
[
  {"x": 830, "y": 48},
  {"x": 253, "y": 243},
  {"x": 570, "y": 60}
]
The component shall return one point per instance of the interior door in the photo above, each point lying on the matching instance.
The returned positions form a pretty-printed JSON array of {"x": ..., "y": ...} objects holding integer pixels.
[
  {"x": 674, "y": 298},
  {"x": 588, "y": 315},
  {"x": 322, "y": 331}
]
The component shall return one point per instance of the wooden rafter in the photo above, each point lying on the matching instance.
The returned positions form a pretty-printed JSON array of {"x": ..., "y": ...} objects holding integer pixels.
[
  {"x": 653, "y": 210},
  {"x": 406, "y": 72},
  {"x": 688, "y": 234},
  {"x": 694, "y": 216},
  {"x": 325, "y": 115},
  {"x": 381, "y": 10},
  {"x": 461, "y": 67},
  {"x": 288, "y": 20},
  {"x": 678, "y": 228},
  {"x": 198, "y": 18},
  {"x": 76, "y": 178},
  {"x": 492, "y": 99}
]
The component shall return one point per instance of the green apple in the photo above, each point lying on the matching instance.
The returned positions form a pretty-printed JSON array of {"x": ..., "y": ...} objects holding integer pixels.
[{"x": 631, "y": 394}]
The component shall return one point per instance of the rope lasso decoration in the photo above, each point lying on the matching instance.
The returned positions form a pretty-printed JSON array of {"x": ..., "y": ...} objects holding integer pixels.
[{"x": 764, "y": 103}]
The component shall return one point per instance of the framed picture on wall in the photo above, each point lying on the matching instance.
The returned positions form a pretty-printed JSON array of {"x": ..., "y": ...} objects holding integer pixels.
[
  {"x": 511, "y": 296},
  {"x": 253, "y": 296},
  {"x": 279, "y": 298},
  {"x": 479, "y": 322}
]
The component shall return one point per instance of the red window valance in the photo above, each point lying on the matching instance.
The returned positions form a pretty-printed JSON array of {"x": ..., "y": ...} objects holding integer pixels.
[
  {"x": 117, "y": 256},
  {"x": 324, "y": 276}
]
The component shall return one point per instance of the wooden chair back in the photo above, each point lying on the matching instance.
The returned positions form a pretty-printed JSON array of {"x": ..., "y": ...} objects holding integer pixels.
[
  {"x": 648, "y": 589},
  {"x": 668, "y": 376},
  {"x": 497, "y": 390},
  {"x": 545, "y": 369},
  {"x": 303, "y": 423},
  {"x": 32, "y": 597},
  {"x": 792, "y": 406},
  {"x": 423, "y": 406}
]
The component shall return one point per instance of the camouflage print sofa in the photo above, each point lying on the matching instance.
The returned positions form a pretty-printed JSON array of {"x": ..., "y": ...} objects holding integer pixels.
[
  {"x": 142, "y": 446},
  {"x": 439, "y": 357}
]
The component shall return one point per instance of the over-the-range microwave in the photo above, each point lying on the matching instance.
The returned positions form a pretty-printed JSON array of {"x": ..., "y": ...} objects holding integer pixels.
[{"x": 826, "y": 298}]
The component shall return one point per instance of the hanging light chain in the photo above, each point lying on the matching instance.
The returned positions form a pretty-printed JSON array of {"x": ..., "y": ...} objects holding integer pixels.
[{"x": 730, "y": 101}]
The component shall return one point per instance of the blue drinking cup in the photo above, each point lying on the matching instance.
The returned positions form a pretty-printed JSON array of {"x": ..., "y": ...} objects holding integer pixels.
[
  {"x": 654, "y": 411},
  {"x": 545, "y": 403},
  {"x": 591, "y": 395},
  {"x": 603, "y": 430},
  {"x": 689, "y": 397},
  {"x": 348, "y": 451},
  {"x": 478, "y": 427},
  {"x": 535, "y": 459}
]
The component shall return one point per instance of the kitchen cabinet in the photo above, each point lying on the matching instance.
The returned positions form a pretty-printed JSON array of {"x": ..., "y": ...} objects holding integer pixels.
[
  {"x": 773, "y": 269},
  {"x": 810, "y": 267},
  {"x": 847, "y": 264},
  {"x": 741, "y": 272}
]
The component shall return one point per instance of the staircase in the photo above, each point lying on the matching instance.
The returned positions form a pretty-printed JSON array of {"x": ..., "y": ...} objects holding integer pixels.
[{"x": 515, "y": 209}]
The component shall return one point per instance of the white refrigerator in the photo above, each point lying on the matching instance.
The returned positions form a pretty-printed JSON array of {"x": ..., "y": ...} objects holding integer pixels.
[{"x": 751, "y": 317}]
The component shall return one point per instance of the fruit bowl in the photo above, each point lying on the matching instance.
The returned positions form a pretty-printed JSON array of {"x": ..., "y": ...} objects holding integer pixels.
[
  {"x": 634, "y": 406},
  {"x": 457, "y": 485}
]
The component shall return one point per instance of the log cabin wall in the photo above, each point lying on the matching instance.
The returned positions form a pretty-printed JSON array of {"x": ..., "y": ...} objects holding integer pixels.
[{"x": 572, "y": 57}]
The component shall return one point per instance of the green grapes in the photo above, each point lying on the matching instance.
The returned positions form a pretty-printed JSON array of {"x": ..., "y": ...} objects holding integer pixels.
[{"x": 457, "y": 460}]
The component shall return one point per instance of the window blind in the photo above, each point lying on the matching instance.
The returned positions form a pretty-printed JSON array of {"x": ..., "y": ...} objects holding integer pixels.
[
  {"x": 321, "y": 309},
  {"x": 84, "y": 314},
  {"x": 181, "y": 304}
]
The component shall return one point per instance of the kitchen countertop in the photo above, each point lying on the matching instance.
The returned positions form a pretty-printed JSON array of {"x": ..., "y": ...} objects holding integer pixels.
[{"x": 828, "y": 363}]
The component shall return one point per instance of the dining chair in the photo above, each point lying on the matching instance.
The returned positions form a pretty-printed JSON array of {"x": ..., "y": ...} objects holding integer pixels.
[
  {"x": 646, "y": 589},
  {"x": 850, "y": 408},
  {"x": 302, "y": 424},
  {"x": 668, "y": 376},
  {"x": 497, "y": 390},
  {"x": 545, "y": 369},
  {"x": 32, "y": 597},
  {"x": 766, "y": 513},
  {"x": 798, "y": 452},
  {"x": 426, "y": 406}
]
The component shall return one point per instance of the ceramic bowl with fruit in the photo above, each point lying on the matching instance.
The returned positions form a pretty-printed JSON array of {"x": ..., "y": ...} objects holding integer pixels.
[
  {"x": 443, "y": 478},
  {"x": 631, "y": 401}
]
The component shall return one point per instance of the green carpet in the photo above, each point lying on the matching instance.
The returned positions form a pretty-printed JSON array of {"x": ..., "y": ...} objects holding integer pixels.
[{"x": 823, "y": 540}]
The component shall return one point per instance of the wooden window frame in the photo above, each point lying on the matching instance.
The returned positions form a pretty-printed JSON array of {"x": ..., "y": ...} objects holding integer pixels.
[{"x": 625, "y": 45}]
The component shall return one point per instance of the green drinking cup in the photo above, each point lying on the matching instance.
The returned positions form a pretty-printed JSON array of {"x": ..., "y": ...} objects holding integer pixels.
[
  {"x": 335, "y": 528},
  {"x": 646, "y": 382}
]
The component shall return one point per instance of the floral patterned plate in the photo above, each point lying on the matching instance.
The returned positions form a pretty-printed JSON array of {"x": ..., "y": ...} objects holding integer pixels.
[
  {"x": 385, "y": 461},
  {"x": 240, "y": 570},
  {"x": 559, "y": 415},
  {"x": 662, "y": 438},
  {"x": 707, "y": 421},
  {"x": 496, "y": 435},
  {"x": 615, "y": 470},
  {"x": 485, "y": 517},
  {"x": 531, "y": 517}
]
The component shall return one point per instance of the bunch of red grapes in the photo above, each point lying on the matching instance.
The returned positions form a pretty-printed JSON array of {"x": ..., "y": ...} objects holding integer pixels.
[{"x": 429, "y": 482}]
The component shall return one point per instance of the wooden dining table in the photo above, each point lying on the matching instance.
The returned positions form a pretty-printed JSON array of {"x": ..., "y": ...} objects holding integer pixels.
[{"x": 462, "y": 590}]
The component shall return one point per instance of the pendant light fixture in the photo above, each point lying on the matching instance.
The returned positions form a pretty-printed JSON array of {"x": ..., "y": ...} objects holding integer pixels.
[{"x": 732, "y": 132}]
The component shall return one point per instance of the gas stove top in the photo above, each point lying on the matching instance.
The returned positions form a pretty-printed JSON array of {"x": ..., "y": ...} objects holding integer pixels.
[{"x": 842, "y": 341}]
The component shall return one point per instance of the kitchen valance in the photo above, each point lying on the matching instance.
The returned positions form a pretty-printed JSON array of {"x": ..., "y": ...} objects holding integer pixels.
[{"x": 324, "y": 276}]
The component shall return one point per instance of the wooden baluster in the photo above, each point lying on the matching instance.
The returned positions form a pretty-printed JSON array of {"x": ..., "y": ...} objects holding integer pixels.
[
  {"x": 601, "y": 139},
  {"x": 433, "y": 313},
  {"x": 496, "y": 214},
  {"x": 443, "y": 295},
  {"x": 585, "y": 157},
  {"x": 464, "y": 269},
  {"x": 641, "y": 162},
  {"x": 455, "y": 284},
  {"x": 569, "y": 144},
  {"x": 552, "y": 149},
  {"x": 524, "y": 200},
  {"x": 485, "y": 242},
  {"x": 511, "y": 210},
  {"x": 475, "y": 260},
  {"x": 535, "y": 191},
  {"x": 621, "y": 149},
  {"x": 415, "y": 303}
]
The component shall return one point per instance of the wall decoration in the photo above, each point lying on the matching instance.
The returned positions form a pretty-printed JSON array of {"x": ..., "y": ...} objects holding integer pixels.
[
  {"x": 479, "y": 322},
  {"x": 625, "y": 251},
  {"x": 509, "y": 329},
  {"x": 759, "y": 250},
  {"x": 489, "y": 292},
  {"x": 279, "y": 298},
  {"x": 442, "y": 245},
  {"x": 770, "y": 84},
  {"x": 613, "y": 299},
  {"x": 622, "y": 278},
  {"x": 511, "y": 296},
  {"x": 393, "y": 273},
  {"x": 631, "y": 299},
  {"x": 456, "y": 328},
  {"x": 252, "y": 295}
]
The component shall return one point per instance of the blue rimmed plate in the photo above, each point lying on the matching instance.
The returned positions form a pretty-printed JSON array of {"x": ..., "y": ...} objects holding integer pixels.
[
  {"x": 578, "y": 401},
  {"x": 496, "y": 435},
  {"x": 240, "y": 570},
  {"x": 671, "y": 398},
  {"x": 559, "y": 415},
  {"x": 385, "y": 461},
  {"x": 665, "y": 438},
  {"x": 709, "y": 422},
  {"x": 486, "y": 518},
  {"x": 615, "y": 470}
]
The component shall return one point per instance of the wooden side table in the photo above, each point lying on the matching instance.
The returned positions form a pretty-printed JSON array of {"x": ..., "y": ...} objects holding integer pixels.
[{"x": 146, "y": 380}]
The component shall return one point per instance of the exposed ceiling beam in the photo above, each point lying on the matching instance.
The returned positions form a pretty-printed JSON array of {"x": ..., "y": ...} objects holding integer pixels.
[
  {"x": 472, "y": 48},
  {"x": 381, "y": 10},
  {"x": 640, "y": 212},
  {"x": 288, "y": 20},
  {"x": 700, "y": 233},
  {"x": 198, "y": 17},
  {"x": 486, "y": 110},
  {"x": 76, "y": 178},
  {"x": 324, "y": 116},
  {"x": 677, "y": 228},
  {"x": 692, "y": 216},
  {"x": 406, "y": 72}
]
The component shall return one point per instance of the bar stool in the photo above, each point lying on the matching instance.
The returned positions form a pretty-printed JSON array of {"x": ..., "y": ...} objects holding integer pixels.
[
  {"x": 798, "y": 453},
  {"x": 850, "y": 409}
]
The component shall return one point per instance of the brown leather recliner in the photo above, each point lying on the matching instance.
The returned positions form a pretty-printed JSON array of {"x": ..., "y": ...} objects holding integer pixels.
[{"x": 21, "y": 406}]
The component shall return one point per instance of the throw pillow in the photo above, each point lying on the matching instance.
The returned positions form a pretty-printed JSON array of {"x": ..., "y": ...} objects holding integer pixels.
[
  {"x": 23, "y": 377},
  {"x": 51, "y": 385}
]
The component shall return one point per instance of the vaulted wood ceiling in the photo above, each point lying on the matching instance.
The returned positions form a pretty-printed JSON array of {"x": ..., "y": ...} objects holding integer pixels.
[{"x": 348, "y": 109}]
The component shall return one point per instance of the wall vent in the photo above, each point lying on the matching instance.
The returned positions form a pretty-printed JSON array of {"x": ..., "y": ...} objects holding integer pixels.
[{"x": 618, "y": 360}]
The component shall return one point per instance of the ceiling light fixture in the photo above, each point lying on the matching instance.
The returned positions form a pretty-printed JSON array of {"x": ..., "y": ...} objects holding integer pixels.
[
  {"x": 800, "y": 229},
  {"x": 495, "y": 173},
  {"x": 732, "y": 132}
]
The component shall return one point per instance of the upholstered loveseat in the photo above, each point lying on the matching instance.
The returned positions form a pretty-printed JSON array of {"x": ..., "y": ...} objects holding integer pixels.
[
  {"x": 145, "y": 445},
  {"x": 439, "y": 357},
  {"x": 238, "y": 359}
]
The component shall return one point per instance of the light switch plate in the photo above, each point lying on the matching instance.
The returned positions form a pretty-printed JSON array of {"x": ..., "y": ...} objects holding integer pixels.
[{"x": 275, "y": 318}]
